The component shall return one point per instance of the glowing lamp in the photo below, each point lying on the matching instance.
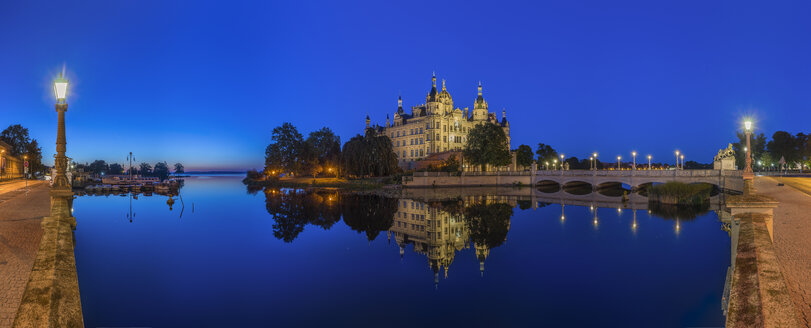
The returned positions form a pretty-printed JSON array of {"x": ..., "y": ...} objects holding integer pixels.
[
  {"x": 60, "y": 88},
  {"x": 748, "y": 125}
]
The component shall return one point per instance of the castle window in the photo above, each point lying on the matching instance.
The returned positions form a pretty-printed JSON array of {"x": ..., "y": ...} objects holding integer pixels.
[
  {"x": 427, "y": 125},
  {"x": 398, "y": 133},
  {"x": 420, "y": 130},
  {"x": 428, "y": 137},
  {"x": 445, "y": 138},
  {"x": 403, "y": 153},
  {"x": 412, "y": 153},
  {"x": 421, "y": 152},
  {"x": 421, "y": 142}
]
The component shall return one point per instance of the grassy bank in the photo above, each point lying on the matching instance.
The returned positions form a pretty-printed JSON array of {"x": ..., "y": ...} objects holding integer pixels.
[{"x": 677, "y": 193}]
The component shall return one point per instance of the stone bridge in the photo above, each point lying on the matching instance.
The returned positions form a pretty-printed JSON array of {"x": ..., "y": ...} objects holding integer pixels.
[{"x": 637, "y": 179}]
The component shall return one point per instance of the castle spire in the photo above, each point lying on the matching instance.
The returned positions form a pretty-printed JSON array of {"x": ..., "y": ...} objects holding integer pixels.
[
  {"x": 443, "y": 85},
  {"x": 480, "y": 88},
  {"x": 367, "y": 121},
  {"x": 433, "y": 79},
  {"x": 399, "y": 102},
  {"x": 503, "y": 113},
  {"x": 387, "y": 125}
]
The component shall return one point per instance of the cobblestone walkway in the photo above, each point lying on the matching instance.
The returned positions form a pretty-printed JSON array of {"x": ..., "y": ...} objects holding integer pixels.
[
  {"x": 20, "y": 231},
  {"x": 792, "y": 238}
]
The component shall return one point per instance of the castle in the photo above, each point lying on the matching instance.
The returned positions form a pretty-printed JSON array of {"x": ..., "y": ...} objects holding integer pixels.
[{"x": 435, "y": 126}]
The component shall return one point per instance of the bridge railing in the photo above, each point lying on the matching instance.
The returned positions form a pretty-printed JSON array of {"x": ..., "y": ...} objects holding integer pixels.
[{"x": 641, "y": 173}]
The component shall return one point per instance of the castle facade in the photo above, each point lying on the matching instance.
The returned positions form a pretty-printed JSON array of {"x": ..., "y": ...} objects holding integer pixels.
[{"x": 435, "y": 126}]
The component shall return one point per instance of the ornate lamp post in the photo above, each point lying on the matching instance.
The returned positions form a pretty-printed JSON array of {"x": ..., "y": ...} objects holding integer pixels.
[
  {"x": 61, "y": 180},
  {"x": 562, "y": 161},
  {"x": 649, "y": 157},
  {"x": 61, "y": 193},
  {"x": 682, "y": 160},
  {"x": 677, "y": 159},
  {"x": 618, "y": 162},
  {"x": 748, "y": 175},
  {"x": 591, "y": 163},
  {"x": 633, "y": 155}
]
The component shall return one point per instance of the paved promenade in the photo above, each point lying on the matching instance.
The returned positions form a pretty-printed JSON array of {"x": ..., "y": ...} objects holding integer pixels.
[
  {"x": 792, "y": 236},
  {"x": 20, "y": 232}
]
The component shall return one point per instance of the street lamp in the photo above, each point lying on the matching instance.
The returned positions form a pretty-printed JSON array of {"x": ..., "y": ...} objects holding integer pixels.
[
  {"x": 748, "y": 175},
  {"x": 677, "y": 159},
  {"x": 682, "y": 161},
  {"x": 562, "y": 161},
  {"x": 595, "y": 160},
  {"x": 633, "y": 155},
  {"x": 591, "y": 163},
  {"x": 618, "y": 162},
  {"x": 546, "y": 165},
  {"x": 649, "y": 157},
  {"x": 60, "y": 180}
]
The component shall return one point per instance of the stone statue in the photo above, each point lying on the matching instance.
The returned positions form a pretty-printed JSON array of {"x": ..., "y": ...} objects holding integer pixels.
[{"x": 725, "y": 159}]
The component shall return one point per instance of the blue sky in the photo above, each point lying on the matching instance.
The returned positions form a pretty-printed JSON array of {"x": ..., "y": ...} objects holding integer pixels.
[{"x": 204, "y": 83}]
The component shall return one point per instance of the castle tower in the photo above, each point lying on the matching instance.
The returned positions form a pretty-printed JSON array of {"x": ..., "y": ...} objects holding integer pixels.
[
  {"x": 432, "y": 99},
  {"x": 367, "y": 121},
  {"x": 388, "y": 124},
  {"x": 480, "y": 106},
  {"x": 445, "y": 99}
]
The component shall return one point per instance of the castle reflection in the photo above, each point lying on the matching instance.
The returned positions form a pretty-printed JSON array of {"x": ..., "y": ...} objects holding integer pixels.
[{"x": 438, "y": 230}]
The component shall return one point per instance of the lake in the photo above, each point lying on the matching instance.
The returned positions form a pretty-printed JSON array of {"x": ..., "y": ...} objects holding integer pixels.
[{"x": 226, "y": 257}]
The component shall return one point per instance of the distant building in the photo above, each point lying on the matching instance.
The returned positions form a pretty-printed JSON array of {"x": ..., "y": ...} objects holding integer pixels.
[
  {"x": 11, "y": 167},
  {"x": 435, "y": 126}
]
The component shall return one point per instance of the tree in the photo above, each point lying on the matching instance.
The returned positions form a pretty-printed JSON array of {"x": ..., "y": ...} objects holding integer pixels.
[
  {"x": 34, "y": 153},
  {"x": 783, "y": 144},
  {"x": 758, "y": 144},
  {"x": 17, "y": 137},
  {"x": 546, "y": 154},
  {"x": 451, "y": 164},
  {"x": 179, "y": 168},
  {"x": 146, "y": 169},
  {"x": 523, "y": 156},
  {"x": 325, "y": 146},
  {"x": 487, "y": 145},
  {"x": 283, "y": 153},
  {"x": 116, "y": 168},
  {"x": 369, "y": 155},
  {"x": 99, "y": 167},
  {"x": 161, "y": 170}
]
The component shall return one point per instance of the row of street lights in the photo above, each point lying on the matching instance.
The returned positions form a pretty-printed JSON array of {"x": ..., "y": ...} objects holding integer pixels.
[{"x": 593, "y": 161}]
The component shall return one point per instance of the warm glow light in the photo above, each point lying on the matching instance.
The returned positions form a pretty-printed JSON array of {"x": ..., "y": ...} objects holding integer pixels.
[
  {"x": 748, "y": 125},
  {"x": 60, "y": 88},
  {"x": 619, "y": 157},
  {"x": 649, "y": 156},
  {"x": 594, "y": 155},
  {"x": 677, "y": 153},
  {"x": 633, "y": 153},
  {"x": 562, "y": 218}
]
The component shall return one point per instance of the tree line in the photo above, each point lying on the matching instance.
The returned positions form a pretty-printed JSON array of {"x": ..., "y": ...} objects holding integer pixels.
[
  {"x": 321, "y": 154},
  {"x": 794, "y": 149},
  {"x": 160, "y": 170},
  {"x": 22, "y": 145}
]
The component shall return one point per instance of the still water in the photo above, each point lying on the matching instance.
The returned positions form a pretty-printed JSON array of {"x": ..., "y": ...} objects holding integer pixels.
[{"x": 225, "y": 257}]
